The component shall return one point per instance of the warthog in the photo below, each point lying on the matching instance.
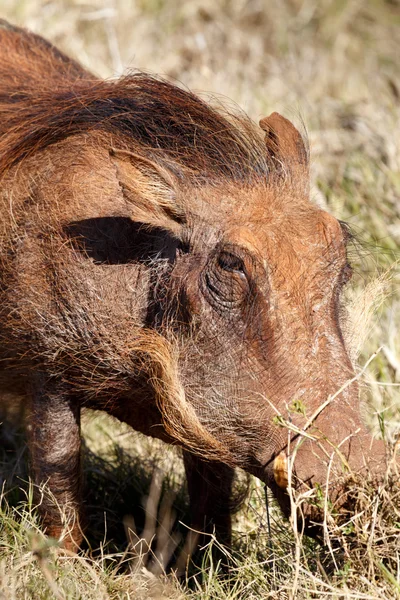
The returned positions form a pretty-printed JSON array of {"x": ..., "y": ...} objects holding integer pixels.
[{"x": 161, "y": 260}]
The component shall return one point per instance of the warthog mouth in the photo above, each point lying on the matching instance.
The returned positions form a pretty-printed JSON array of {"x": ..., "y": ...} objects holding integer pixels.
[
  {"x": 315, "y": 505},
  {"x": 280, "y": 470},
  {"x": 308, "y": 520}
]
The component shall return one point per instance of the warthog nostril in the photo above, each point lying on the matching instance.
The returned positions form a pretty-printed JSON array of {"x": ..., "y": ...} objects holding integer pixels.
[{"x": 281, "y": 470}]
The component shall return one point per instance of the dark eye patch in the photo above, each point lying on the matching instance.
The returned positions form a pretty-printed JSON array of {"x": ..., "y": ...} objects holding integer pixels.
[{"x": 118, "y": 240}]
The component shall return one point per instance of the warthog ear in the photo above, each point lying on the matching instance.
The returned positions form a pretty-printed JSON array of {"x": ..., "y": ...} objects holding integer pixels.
[
  {"x": 150, "y": 190},
  {"x": 284, "y": 143}
]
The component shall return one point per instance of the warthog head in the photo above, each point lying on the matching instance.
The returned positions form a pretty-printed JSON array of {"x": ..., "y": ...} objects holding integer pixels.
[{"x": 251, "y": 297}]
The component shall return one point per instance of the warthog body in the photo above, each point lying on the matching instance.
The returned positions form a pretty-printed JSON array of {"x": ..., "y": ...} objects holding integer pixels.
[{"x": 161, "y": 261}]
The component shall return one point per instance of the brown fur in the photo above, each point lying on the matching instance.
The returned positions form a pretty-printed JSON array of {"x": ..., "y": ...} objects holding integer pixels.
[{"x": 161, "y": 261}]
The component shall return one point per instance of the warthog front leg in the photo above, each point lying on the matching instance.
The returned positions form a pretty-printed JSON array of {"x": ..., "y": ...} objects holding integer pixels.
[
  {"x": 54, "y": 443},
  {"x": 210, "y": 487}
]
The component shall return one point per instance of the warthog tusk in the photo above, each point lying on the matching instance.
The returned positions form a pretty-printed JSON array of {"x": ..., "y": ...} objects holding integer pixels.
[{"x": 281, "y": 470}]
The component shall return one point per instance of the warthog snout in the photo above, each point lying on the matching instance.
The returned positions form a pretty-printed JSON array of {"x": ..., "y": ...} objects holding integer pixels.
[{"x": 319, "y": 464}]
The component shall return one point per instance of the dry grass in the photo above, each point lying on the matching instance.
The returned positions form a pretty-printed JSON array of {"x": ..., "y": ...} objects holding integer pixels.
[{"x": 333, "y": 65}]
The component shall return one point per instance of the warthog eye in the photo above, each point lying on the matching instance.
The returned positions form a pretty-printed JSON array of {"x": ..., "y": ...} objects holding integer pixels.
[
  {"x": 232, "y": 263},
  {"x": 226, "y": 279}
]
